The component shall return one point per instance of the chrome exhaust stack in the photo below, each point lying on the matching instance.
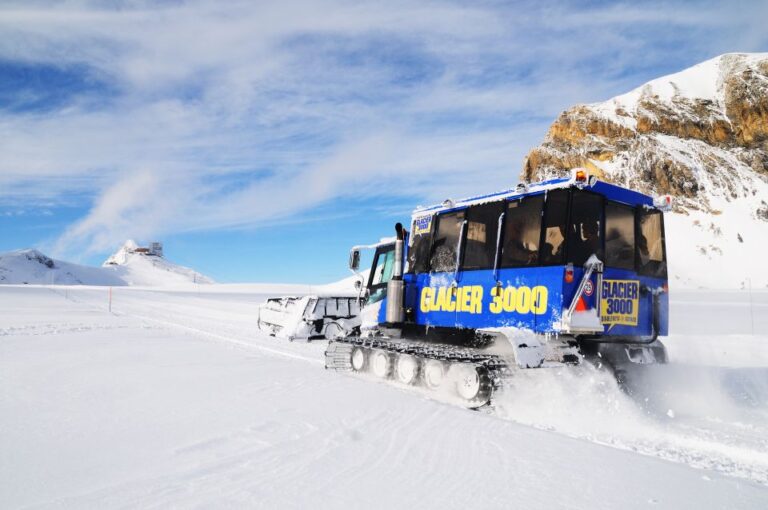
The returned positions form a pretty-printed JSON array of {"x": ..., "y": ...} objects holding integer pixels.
[{"x": 395, "y": 312}]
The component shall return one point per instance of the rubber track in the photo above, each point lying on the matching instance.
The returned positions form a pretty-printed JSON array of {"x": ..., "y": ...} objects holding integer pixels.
[{"x": 493, "y": 368}]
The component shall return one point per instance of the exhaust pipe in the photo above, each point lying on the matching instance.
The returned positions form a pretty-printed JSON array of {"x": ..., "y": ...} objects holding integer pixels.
[{"x": 395, "y": 313}]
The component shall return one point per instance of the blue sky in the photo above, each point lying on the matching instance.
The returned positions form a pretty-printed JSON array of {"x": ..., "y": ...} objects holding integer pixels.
[{"x": 259, "y": 140}]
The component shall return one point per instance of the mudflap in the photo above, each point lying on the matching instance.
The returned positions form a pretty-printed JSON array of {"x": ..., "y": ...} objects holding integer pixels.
[{"x": 628, "y": 359}]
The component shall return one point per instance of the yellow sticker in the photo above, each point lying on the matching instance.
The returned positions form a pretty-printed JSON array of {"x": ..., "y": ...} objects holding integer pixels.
[
  {"x": 422, "y": 225},
  {"x": 620, "y": 302}
]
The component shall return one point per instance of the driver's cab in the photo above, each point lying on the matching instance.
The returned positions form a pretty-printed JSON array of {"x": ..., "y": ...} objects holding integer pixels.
[{"x": 380, "y": 273}]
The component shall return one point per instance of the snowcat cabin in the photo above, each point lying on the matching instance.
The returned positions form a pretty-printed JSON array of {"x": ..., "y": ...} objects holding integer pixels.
[
  {"x": 538, "y": 258},
  {"x": 381, "y": 272}
]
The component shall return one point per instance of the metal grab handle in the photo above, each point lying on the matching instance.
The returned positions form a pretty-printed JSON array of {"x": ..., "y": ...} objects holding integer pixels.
[
  {"x": 589, "y": 269},
  {"x": 462, "y": 233},
  {"x": 498, "y": 247}
]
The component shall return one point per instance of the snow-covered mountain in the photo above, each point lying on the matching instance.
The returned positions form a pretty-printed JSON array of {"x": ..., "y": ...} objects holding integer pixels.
[
  {"x": 31, "y": 266},
  {"x": 124, "y": 267},
  {"x": 135, "y": 267},
  {"x": 700, "y": 135}
]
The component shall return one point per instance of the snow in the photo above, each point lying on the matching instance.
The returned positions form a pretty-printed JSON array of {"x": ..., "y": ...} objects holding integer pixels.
[
  {"x": 124, "y": 267},
  {"x": 174, "y": 399},
  {"x": 702, "y": 81}
]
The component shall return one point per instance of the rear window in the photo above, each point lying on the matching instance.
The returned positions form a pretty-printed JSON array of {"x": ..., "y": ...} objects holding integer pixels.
[
  {"x": 482, "y": 233},
  {"x": 445, "y": 246},
  {"x": 619, "y": 236},
  {"x": 555, "y": 216},
  {"x": 522, "y": 232},
  {"x": 651, "y": 254},
  {"x": 585, "y": 227}
]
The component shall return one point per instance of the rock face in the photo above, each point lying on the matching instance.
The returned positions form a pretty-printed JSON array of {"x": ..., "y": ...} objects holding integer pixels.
[
  {"x": 696, "y": 134},
  {"x": 700, "y": 135}
]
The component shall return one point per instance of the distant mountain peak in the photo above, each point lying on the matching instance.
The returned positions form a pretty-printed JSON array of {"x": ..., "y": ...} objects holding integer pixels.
[
  {"x": 131, "y": 264},
  {"x": 700, "y": 135}
]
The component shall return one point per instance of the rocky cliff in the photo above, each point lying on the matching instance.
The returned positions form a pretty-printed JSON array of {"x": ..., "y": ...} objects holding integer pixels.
[{"x": 700, "y": 135}]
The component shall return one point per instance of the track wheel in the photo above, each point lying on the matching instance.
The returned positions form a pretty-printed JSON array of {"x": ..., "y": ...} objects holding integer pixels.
[
  {"x": 358, "y": 359},
  {"x": 468, "y": 381},
  {"x": 407, "y": 368},
  {"x": 434, "y": 374},
  {"x": 381, "y": 363}
]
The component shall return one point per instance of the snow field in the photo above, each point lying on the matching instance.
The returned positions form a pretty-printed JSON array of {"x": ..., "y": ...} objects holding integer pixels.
[{"x": 175, "y": 400}]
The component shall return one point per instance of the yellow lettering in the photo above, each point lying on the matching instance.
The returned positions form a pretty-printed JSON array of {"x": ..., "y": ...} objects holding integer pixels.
[
  {"x": 509, "y": 299},
  {"x": 426, "y": 299},
  {"x": 477, "y": 299},
  {"x": 496, "y": 303},
  {"x": 449, "y": 304},
  {"x": 523, "y": 300},
  {"x": 540, "y": 295}
]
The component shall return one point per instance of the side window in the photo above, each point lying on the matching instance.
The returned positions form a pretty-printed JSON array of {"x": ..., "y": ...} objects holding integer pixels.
[
  {"x": 482, "y": 229},
  {"x": 584, "y": 227},
  {"x": 385, "y": 263},
  {"x": 555, "y": 216},
  {"x": 650, "y": 244},
  {"x": 418, "y": 247},
  {"x": 522, "y": 231},
  {"x": 443, "y": 257},
  {"x": 619, "y": 236},
  {"x": 381, "y": 273}
]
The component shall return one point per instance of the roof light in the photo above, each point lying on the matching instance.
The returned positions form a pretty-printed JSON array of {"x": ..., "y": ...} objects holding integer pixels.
[
  {"x": 663, "y": 202},
  {"x": 447, "y": 202},
  {"x": 579, "y": 176}
]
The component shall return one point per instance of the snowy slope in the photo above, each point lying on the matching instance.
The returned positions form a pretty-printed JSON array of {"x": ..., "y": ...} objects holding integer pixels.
[
  {"x": 175, "y": 401},
  {"x": 123, "y": 268},
  {"x": 32, "y": 267},
  {"x": 702, "y": 82},
  {"x": 146, "y": 270}
]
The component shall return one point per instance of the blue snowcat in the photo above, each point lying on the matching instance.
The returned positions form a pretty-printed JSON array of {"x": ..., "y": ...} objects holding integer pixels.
[{"x": 545, "y": 275}]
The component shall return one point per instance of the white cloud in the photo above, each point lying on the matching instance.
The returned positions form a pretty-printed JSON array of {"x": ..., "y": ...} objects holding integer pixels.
[{"x": 229, "y": 114}]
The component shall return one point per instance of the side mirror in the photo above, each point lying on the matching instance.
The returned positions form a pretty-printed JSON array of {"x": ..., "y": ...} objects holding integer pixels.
[{"x": 354, "y": 260}]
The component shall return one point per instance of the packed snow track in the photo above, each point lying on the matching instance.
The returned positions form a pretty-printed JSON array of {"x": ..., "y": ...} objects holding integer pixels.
[{"x": 174, "y": 399}]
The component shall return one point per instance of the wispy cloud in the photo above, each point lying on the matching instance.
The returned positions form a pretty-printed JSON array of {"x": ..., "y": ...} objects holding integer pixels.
[{"x": 205, "y": 114}]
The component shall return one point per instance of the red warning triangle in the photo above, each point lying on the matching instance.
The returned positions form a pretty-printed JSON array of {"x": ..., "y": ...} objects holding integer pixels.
[{"x": 581, "y": 305}]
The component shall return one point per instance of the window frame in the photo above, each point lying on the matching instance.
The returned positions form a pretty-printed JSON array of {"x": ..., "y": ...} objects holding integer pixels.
[
  {"x": 640, "y": 211},
  {"x": 438, "y": 217},
  {"x": 411, "y": 238},
  {"x": 520, "y": 199},
  {"x": 636, "y": 230},
  {"x": 603, "y": 200},
  {"x": 501, "y": 205}
]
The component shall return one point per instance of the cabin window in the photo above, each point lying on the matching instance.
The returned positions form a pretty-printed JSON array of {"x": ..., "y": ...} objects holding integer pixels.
[
  {"x": 585, "y": 227},
  {"x": 522, "y": 232},
  {"x": 445, "y": 246},
  {"x": 555, "y": 217},
  {"x": 383, "y": 265},
  {"x": 619, "y": 236},
  {"x": 420, "y": 239},
  {"x": 482, "y": 232},
  {"x": 650, "y": 245}
]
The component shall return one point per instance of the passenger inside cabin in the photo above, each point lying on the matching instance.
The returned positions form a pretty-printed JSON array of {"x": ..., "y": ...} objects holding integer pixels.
[{"x": 515, "y": 248}]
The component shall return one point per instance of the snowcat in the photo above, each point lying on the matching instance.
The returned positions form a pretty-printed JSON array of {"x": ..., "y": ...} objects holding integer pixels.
[
  {"x": 326, "y": 314},
  {"x": 544, "y": 275}
]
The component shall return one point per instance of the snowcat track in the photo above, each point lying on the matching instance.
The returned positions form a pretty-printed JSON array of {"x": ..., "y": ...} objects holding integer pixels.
[{"x": 491, "y": 369}]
